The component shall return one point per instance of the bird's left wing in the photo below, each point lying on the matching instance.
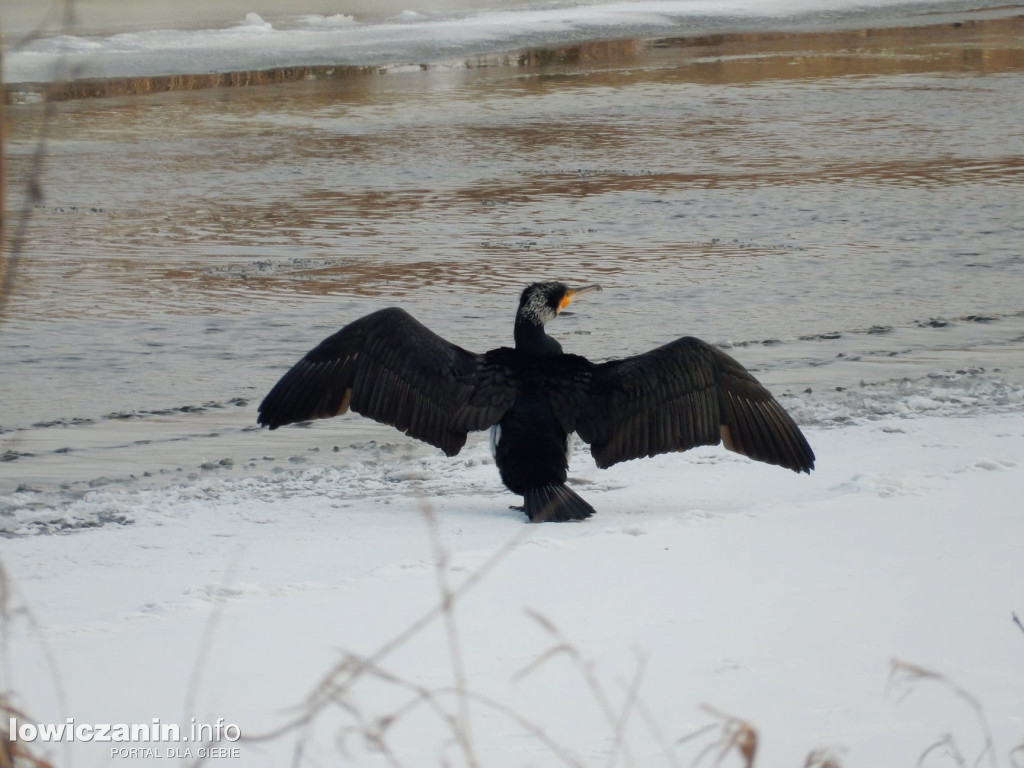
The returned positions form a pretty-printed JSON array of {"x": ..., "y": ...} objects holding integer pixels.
[
  {"x": 392, "y": 368},
  {"x": 681, "y": 395}
]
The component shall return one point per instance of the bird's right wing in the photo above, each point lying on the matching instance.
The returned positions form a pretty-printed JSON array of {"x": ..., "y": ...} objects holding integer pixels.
[
  {"x": 681, "y": 395},
  {"x": 392, "y": 368}
]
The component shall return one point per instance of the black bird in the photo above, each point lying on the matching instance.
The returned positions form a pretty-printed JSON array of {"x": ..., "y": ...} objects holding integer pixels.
[{"x": 390, "y": 367}]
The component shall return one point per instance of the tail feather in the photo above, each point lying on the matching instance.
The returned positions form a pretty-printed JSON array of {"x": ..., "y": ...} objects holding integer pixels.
[{"x": 556, "y": 503}]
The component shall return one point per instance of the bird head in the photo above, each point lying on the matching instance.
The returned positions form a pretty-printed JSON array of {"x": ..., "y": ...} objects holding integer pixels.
[{"x": 542, "y": 302}]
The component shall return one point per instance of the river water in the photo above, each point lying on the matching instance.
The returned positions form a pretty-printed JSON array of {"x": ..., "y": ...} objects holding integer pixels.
[{"x": 838, "y": 207}]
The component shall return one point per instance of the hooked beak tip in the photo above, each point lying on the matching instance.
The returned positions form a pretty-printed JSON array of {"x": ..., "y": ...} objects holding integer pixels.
[{"x": 573, "y": 293}]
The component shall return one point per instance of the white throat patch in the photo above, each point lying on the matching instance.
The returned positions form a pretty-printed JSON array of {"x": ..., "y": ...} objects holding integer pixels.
[{"x": 537, "y": 308}]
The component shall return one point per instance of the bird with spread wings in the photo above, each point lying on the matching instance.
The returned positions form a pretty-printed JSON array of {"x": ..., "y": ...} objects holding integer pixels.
[{"x": 391, "y": 368}]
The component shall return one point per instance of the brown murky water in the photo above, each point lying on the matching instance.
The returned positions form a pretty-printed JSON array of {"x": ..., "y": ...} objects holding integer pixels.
[{"x": 841, "y": 207}]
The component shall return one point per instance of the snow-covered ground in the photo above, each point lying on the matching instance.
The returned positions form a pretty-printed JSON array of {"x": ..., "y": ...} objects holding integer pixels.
[{"x": 801, "y": 606}]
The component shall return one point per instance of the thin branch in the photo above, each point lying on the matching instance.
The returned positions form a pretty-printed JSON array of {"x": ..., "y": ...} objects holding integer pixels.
[
  {"x": 351, "y": 670},
  {"x": 534, "y": 730},
  {"x": 464, "y": 733},
  {"x": 736, "y": 734},
  {"x": 915, "y": 674},
  {"x": 9, "y": 613},
  {"x": 539, "y": 661},
  {"x": 822, "y": 758},
  {"x": 206, "y": 641},
  {"x": 10, "y": 263},
  {"x": 585, "y": 668},
  {"x": 627, "y": 711},
  {"x": 655, "y": 729},
  {"x": 953, "y": 751},
  {"x": 1017, "y": 756}
]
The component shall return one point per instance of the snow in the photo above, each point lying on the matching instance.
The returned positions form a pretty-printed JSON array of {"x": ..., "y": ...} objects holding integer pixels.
[
  {"x": 860, "y": 611},
  {"x": 412, "y": 36}
]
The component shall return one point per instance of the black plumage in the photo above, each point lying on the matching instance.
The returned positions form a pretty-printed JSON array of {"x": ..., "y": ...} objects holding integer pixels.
[{"x": 392, "y": 368}]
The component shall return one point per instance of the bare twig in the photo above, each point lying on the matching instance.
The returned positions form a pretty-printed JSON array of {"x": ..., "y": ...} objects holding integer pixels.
[
  {"x": 337, "y": 688},
  {"x": 627, "y": 711},
  {"x": 533, "y": 729},
  {"x": 11, "y": 752},
  {"x": 910, "y": 675},
  {"x": 33, "y": 196},
  {"x": 1017, "y": 756},
  {"x": 952, "y": 750},
  {"x": 8, "y": 613},
  {"x": 539, "y": 661},
  {"x": 655, "y": 729},
  {"x": 464, "y": 732},
  {"x": 616, "y": 721},
  {"x": 1017, "y": 621},
  {"x": 822, "y": 758},
  {"x": 375, "y": 730},
  {"x": 206, "y": 641},
  {"x": 349, "y": 670},
  {"x": 735, "y": 734},
  {"x": 10, "y": 260},
  {"x": 3, "y": 187},
  {"x": 563, "y": 646}
]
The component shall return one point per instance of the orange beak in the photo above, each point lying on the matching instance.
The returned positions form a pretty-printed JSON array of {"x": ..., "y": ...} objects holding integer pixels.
[{"x": 572, "y": 293}]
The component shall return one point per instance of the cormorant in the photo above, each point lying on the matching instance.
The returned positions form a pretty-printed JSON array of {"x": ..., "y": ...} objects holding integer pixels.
[{"x": 533, "y": 397}]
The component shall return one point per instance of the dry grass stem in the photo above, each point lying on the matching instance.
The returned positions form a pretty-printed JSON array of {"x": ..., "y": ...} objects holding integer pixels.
[
  {"x": 14, "y": 754},
  {"x": 951, "y": 751},
  {"x": 822, "y": 758},
  {"x": 585, "y": 668},
  {"x": 910, "y": 676},
  {"x": 627, "y": 710},
  {"x": 735, "y": 735},
  {"x": 206, "y": 641},
  {"x": 441, "y": 564},
  {"x": 336, "y": 686},
  {"x": 15, "y": 241},
  {"x": 379, "y": 731},
  {"x": 1017, "y": 756},
  {"x": 671, "y": 759}
]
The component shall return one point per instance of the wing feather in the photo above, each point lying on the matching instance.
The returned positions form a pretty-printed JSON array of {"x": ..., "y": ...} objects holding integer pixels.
[
  {"x": 681, "y": 395},
  {"x": 392, "y": 368}
]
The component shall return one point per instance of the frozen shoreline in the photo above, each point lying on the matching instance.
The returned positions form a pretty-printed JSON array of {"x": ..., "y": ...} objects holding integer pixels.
[{"x": 301, "y": 47}]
